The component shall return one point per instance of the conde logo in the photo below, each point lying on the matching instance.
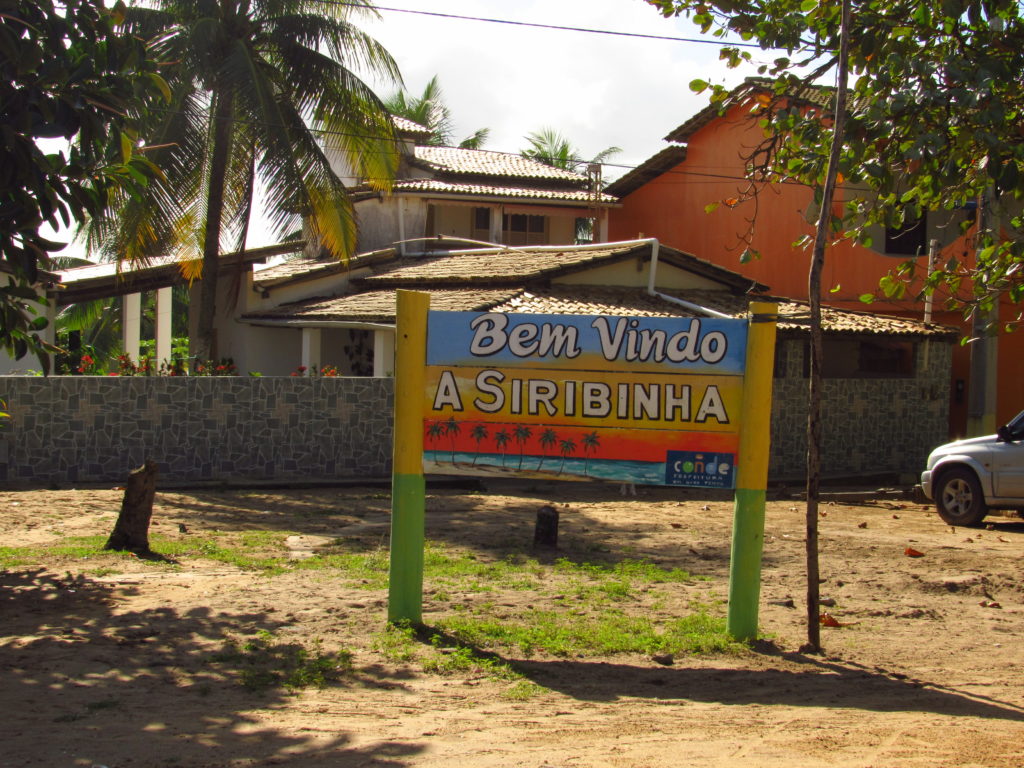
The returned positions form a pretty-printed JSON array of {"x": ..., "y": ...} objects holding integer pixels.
[{"x": 699, "y": 469}]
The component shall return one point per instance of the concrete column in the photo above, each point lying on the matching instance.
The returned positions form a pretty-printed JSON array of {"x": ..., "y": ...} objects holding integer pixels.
[
  {"x": 163, "y": 325},
  {"x": 601, "y": 235},
  {"x": 50, "y": 334},
  {"x": 131, "y": 319},
  {"x": 383, "y": 353},
  {"x": 497, "y": 214},
  {"x": 311, "y": 338}
]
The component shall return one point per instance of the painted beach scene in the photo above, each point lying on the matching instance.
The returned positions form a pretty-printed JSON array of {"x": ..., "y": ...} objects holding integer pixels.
[{"x": 565, "y": 452}]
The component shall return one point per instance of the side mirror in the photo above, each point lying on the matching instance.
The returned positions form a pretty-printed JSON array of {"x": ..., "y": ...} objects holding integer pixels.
[{"x": 1003, "y": 434}]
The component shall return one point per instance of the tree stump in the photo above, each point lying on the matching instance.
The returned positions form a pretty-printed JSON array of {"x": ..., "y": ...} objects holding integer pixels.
[
  {"x": 545, "y": 532},
  {"x": 131, "y": 532}
]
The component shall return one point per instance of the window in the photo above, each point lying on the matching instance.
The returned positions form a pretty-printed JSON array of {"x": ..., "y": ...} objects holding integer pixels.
[
  {"x": 909, "y": 240},
  {"x": 481, "y": 229},
  {"x": 521, "y": 229},
  {"x": 875, "y": 358}
]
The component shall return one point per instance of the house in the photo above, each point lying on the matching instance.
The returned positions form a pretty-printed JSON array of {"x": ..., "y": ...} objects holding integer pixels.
[
  {"x": 885, "y": 397},
  {"x": 490, "y": 197},
  {"x": 705, "y": 165}
]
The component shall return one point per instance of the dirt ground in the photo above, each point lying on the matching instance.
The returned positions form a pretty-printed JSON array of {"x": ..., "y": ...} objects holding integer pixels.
[{"x": 106, "y": 670}]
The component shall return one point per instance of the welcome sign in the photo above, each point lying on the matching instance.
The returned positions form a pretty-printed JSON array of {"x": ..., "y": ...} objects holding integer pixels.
[{"x": 646, "y": 400}]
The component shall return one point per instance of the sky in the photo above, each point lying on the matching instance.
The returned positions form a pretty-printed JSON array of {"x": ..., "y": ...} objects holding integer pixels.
[{"x": 598, "y": 90}]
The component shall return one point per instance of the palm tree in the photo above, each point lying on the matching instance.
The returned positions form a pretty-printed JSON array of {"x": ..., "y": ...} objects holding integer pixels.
[
  {"x": 550, "y": 147},
  {"x": 566, "y": 446},
  {"x": 521, "y": 433},
  {"x": 452, "y": 429},
  {"x": 501, "y": 439},
  {"x": 547, "y": 439},
  {"x": 244, "y": 78},
  {"x": 479, "y": 434},
  {"x": 430, "y": 111},
  {"x": 591, "y": 442}
]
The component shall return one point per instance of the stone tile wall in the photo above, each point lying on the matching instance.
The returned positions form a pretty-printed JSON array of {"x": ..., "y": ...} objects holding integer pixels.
[
  {"x": 869, "y": 426},
  {"x": 94, "y": 429}
]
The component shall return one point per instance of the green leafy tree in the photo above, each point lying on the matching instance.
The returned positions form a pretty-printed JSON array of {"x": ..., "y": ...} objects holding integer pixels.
[
  {"x": 69, "y": 72},
  {"x": 429, "y": 110},
  {"x": 260, "y": 92},
  {"x": 936, "y": 106}
]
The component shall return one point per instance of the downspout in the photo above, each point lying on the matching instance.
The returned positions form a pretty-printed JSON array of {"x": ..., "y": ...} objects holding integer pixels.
[{"x": 672, "y": 299}]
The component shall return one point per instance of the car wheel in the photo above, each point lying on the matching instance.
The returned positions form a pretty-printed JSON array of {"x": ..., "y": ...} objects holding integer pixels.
[{"x": 958, "y": 498}]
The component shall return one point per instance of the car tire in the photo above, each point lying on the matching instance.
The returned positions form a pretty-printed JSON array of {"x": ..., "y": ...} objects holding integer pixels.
[{"x": 958, "y": 498}]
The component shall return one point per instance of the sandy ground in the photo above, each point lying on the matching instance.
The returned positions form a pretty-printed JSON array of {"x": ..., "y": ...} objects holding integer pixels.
[{"x": 109, "y": 669}]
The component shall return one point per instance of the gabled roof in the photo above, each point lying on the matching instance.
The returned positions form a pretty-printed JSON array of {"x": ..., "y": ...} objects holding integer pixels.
[
  {"x": 378, "y": 307},
  {"x": 410, "y": 128},
  {"x": 651, "y": 168},
  {"x": 111, "y": 279},
  {"x": 816, "y": 95},
  {"x": 480, "y": 162},
  {"x": 504, "y": 266}
]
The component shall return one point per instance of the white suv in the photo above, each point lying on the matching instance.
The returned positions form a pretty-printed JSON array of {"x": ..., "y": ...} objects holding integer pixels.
[{"x": 967, "y": 477}]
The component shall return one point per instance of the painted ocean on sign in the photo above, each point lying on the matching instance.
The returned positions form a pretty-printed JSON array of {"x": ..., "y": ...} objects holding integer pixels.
[{"x": 697, "y": 470}]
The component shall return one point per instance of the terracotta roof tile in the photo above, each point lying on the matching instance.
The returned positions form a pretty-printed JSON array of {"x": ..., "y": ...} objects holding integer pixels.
[
  {"x": 405, "y": 125},
  {"x": 379, "y": 305},
  {"x": 480, "y": 162},
  {"x": 576, "y": 196},
  {"x": 492, "y": 265}
]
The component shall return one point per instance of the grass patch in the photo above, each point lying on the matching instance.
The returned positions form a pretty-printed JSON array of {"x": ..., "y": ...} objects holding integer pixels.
[
  {"x": 605, "y": 633},
  {"x": 262, "y": 663}
]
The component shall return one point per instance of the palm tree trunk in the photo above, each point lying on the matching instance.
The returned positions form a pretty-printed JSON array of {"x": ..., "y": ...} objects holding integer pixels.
[
  {"x": 223, "y": 113},
  {"x": 814, "y": 379}
]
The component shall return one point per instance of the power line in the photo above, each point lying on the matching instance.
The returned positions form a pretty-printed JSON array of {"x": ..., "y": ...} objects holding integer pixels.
[{"x": 557, "y": 27}]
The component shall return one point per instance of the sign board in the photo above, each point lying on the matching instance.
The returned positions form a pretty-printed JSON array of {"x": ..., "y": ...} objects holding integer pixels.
[{"x": 646, "y": 400}]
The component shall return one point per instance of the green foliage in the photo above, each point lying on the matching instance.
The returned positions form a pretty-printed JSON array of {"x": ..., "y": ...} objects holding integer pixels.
[
  {"x": 262, "y": 663},
  {"x": 69, "y": 73},
  {"x": 429, "y": 110},
  {"x": 936, "y": 106},
  {"x": 259, "y": 92}
]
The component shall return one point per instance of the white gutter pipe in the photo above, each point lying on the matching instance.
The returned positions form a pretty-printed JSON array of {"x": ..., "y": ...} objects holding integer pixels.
[{"x": 655, "y": 245}]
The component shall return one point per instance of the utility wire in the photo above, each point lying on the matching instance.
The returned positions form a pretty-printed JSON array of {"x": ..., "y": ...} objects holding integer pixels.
[{"x": 558, "y": 27}]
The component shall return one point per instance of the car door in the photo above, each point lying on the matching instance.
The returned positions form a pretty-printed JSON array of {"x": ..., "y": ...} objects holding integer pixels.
[{"x": 1008, "y": 470}]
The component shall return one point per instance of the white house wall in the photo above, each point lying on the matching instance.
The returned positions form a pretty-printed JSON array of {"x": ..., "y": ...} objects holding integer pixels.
[{"x": 378, "y": 221}]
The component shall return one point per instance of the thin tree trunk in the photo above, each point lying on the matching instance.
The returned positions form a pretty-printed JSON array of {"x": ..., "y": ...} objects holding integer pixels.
[
  {"x": 131, "y": 531},
  {"x": 814, "y": 379},
  {"x": 223, "y": 114}
]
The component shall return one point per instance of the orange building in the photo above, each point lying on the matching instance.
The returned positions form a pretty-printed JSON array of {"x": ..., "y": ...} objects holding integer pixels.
[{"x": 668, "y": 196}]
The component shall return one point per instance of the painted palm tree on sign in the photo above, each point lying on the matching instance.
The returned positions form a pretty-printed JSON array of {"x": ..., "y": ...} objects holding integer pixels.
[
  {"x": 435, "y": 431},
  {"x": 257, "y": 89},
  {"x": 591, "y": 442},
  {"x": 566, "y": 446},
  {"x": 548, "y": 438},
  {"x": 501, "y": 439},
  {"x": 521, "y": 433},
  {"x": 479, "y": 434},
  {"x": 452, "y": 430}
]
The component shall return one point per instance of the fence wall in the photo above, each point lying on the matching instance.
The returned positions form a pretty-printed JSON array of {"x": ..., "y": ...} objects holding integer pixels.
[{"x": 95, "y": 429}]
